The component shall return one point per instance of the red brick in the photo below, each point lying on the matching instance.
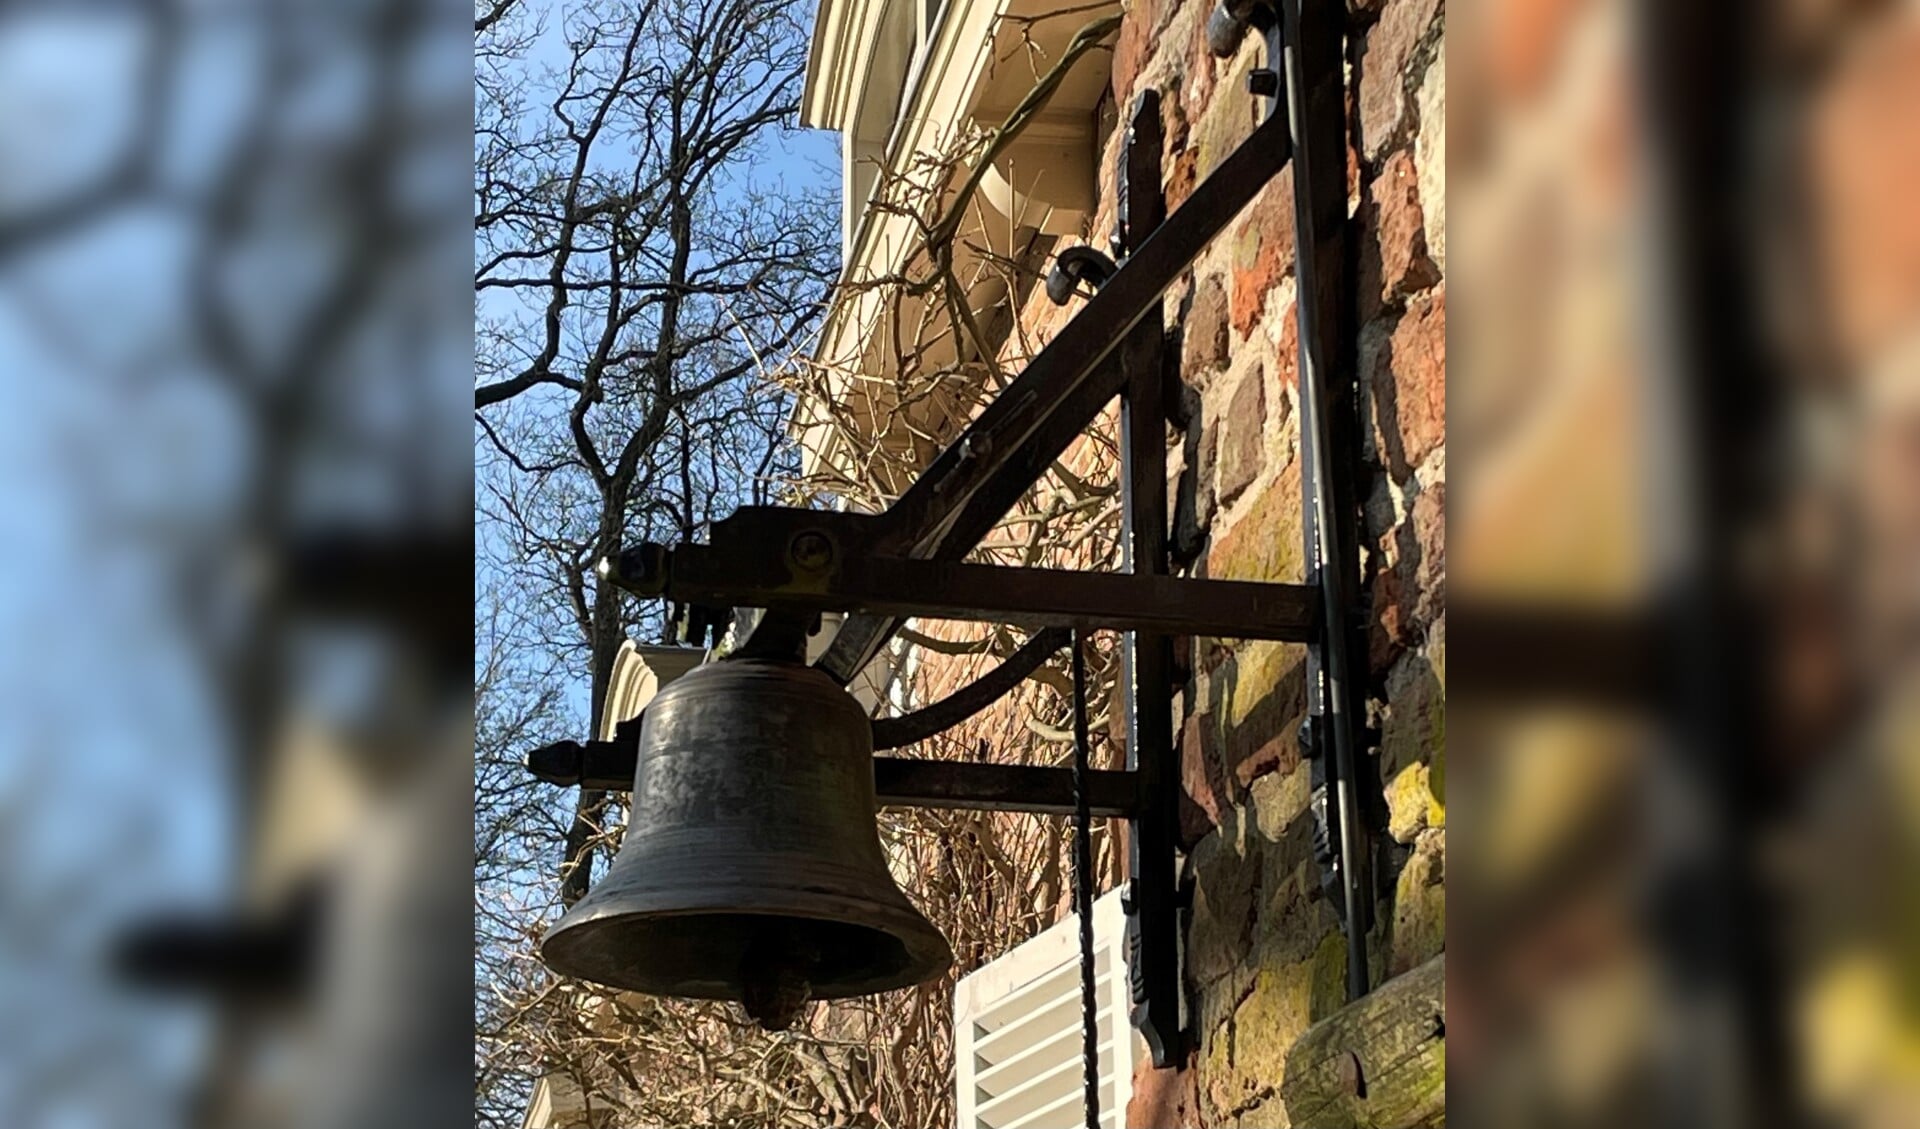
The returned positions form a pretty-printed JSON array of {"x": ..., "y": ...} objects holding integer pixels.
[
  {"x": 1132, "y": 47},
  {"x": 1163, "y": 1099},
  {"x": 1410, "y": 384},
  {"x": 1262, "y": 250},
  {"x": 1395, "y": 262},
  {"x": 1387, "y": 629},
  {"x": 1205, "y": 791}
]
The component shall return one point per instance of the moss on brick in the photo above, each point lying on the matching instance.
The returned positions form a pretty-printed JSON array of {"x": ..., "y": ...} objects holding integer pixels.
[
  {"x": 1420, "y": 905},
  {"x": 1265, "y": 541}
]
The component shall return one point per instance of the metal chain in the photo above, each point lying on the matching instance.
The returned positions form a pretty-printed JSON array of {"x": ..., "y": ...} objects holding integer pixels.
[{"x": 1083, "y": 882}]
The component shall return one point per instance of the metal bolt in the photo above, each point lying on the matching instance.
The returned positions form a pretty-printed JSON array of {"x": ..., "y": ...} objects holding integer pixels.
[
  {"x": 1347, "y": 1069},
  {"x": 811, "y": 551},
  {"x": 1263, "y": 81},
  {"x": 641, "y": 570}
]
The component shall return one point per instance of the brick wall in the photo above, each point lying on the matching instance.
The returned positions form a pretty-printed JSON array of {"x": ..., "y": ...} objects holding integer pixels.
[{"x": 1265, "y": 954}]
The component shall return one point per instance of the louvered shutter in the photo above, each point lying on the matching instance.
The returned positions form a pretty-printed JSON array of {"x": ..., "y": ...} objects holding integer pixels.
[{"x": 1017, "y": 1044}]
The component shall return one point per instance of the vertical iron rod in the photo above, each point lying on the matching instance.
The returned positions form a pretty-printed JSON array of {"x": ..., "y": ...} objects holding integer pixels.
[
  {"x": 1083, "y": 882},
  {"x": 1146, "y": 657},
  {"x": 1310, "y": 46}
]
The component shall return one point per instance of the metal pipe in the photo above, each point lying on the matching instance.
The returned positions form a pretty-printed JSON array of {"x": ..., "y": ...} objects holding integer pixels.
[
  {"x": 1329, "y": 557},
  {"x": 1146, "y": 654}
]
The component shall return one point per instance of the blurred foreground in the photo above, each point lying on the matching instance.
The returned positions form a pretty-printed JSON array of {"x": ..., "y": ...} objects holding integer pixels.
[
  {"x": 235, "y": 336},
  {"x": 1686, "y": 574},
  {"x": 235, "y": 323}
]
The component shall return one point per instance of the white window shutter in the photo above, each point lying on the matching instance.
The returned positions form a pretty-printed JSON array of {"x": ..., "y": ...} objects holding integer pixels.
[{"x": 1018, "y": 1054}]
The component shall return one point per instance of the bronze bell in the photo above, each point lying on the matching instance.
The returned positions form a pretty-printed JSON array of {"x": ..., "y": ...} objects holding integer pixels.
[{"x": 751, "y": 868}]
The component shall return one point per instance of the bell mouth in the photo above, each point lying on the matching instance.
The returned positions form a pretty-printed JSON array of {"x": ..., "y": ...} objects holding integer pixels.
[{"x": 716, "y": 954}]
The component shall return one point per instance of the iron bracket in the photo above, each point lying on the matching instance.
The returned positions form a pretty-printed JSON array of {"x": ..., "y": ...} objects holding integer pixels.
[
  {"x": 897, "y": 781},
  {"x": 808, "y": 562},
  {"x": 906, "y": 561}
]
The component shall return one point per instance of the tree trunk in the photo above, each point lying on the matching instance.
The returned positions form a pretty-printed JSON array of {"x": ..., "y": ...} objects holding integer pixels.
[{"x": 608, "y": 633}]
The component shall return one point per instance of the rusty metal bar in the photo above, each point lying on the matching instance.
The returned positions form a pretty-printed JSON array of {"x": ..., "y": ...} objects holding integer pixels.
[
  {"x": 1038, "y": 789},
  {"x": 1030, "y": 597},
  {"x": 1146, "y": 657},
  {"x": 898, "y": 781}
]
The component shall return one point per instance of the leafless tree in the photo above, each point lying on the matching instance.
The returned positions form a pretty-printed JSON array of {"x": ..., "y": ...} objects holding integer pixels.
[
  {"x": 578, "y": 377},
  {"x": 649, "y": 245},
  {"x": 636, "y": 275}
]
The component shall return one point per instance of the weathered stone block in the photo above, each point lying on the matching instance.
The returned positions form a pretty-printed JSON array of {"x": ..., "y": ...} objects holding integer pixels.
[
  {"x": 1394, "y": 262},
  {"x": 1224, "y": 122},
  {"x": 1245, "y": 730},
  {"x": 1243, "y": 434},
  {"x": 1204, "y": 341},
  {"x": 1430, "y": 156},
  {"x": 1182, "y": 173},
  {"x": 1392, "y": 47},
  {"x": 1408, "y": 375},
  {"x": 1428, "y": 556},
  {"x": 1412, "y": 806},
  {"x": 1415, "y": 729},
  {"x": 1388, "y": 632},
  {"x": 1225, "y": 877},
  {"x": 1164, "y": 1099},
  {"x": 1283, "y": 1003},
  {"x": 1206, "y": 791},
  {"x": 1132, "y": 47},
  {"x": 1420, "y": 904},
  {"x": 1278, "y": 799},
  {"x": 1409, "y": 592},
  {"x": 1256, "y": 699},
  {"x": 1265, "y": 543},
  {"x": 1180, "y": 163},
  {"x": 1293, "y": 916},
  {"x": 1184, "y": 42}
]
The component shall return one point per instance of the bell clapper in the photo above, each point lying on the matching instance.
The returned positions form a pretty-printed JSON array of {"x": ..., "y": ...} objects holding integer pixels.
[{"x": 776, "y": 982}]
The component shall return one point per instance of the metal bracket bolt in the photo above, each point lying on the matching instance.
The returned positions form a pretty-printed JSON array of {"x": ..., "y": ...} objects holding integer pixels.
[{"x": 811, "y": 551}]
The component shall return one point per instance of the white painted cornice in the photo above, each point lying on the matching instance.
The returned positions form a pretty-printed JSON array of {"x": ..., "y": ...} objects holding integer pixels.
[{"x": 843, "y": 32}]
